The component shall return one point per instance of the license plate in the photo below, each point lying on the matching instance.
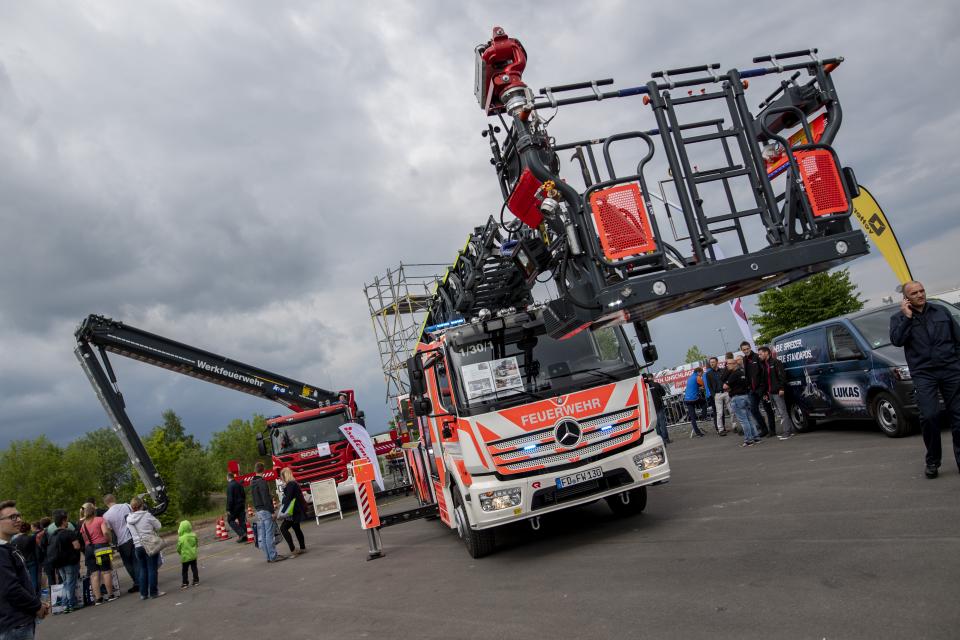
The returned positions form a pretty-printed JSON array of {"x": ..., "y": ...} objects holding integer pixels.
[{"x": 580, "y": 476}]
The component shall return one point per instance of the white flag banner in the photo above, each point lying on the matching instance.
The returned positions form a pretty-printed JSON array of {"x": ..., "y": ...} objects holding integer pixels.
[
  {"x": 736, "y": 306},
  {"x": 361, "y": 442}
]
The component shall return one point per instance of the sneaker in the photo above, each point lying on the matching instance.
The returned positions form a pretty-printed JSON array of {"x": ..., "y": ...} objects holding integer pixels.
[
  {"x": 184, "y": 586},
  {"x": 159, "y": 595},
  {"x": 143, "y": 597},
  {"x": 279, "y": 558},
  {"x": 931, "y": 471},
  {"x": 196, "y": 583},
  {"x": 111, "y": 598},
  {"x": 98, "y": 602},
  {"x": 749, "y": 443}
]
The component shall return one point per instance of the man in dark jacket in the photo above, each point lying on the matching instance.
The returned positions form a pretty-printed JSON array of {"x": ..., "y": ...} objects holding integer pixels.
[
  {"x": 930, "y": 339},
  {"x": 751, "y": 370},
  {"x": 263, "y": 505},
  {"x": 237, "y": 508},
  {"x": 19, "y": 604},
  {"x": 773, "y": 383},
  {"x": 737, "y": 385},
  {"x": 714, "y": 383}
]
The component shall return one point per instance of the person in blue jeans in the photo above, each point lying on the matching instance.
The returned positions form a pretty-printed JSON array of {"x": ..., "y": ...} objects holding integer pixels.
[
  {"x": 263, "y": 506},
  {"x": 65, "y": 547},
  {"x": 140, "y": 523},
  {"x": 740, "y": 402},
  {"x": 695, "y": 383}
]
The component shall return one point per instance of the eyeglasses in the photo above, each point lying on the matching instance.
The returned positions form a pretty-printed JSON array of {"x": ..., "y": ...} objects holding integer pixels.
[{"x": 12, "y": 516}]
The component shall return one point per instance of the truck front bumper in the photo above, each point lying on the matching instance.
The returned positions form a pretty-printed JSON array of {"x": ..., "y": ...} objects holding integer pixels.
[{"x": 541, "y": 494}]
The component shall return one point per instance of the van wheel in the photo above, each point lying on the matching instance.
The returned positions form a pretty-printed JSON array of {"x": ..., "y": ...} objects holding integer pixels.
[
  {"x": 638, "y": 502},
  {"x": 802, "y": 421},
  {"x": 479, "y": 543},
  {"x": 890, "y": 416}
]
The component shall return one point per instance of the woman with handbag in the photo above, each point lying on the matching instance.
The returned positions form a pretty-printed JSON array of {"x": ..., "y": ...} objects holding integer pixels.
[
  {"x": 147, "y": 543},
  {"x": 96, "y": 539},
  {"x": 292, "y": 511}
]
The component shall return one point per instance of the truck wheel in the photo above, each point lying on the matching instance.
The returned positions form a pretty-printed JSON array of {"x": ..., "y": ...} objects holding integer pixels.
[
  {"x": 479, "y": 543},
  {"x": 802, "y": 421},
  {"x": 890, "y": 416},
  {"x": 638, "y": 502}
]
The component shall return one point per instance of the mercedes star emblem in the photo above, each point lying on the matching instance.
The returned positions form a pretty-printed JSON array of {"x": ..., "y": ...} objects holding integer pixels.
[{"x": 567, "y": 433}]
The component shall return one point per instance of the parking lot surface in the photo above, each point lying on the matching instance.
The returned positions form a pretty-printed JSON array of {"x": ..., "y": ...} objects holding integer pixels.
[{"x": 833, "y": 534}]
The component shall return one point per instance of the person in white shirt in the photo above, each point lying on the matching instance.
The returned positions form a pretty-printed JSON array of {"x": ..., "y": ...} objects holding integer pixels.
[{"x": 116, "y": 517}]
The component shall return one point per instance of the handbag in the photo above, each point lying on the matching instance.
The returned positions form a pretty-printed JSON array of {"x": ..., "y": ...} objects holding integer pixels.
[
  {"x": 152, "y": 543},
  {"x": 285, "y": 514}
]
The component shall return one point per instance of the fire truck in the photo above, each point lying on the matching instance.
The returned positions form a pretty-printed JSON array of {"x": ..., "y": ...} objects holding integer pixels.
[
  {"x": 526, "y": 408},
  {"x": 293, "y": 439}
]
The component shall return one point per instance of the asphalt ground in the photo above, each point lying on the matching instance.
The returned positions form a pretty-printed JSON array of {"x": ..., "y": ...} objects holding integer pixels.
[{"x": 833, "y": 534}]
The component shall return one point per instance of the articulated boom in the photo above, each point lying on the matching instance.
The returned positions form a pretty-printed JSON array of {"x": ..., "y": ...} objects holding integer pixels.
[
  {"x": 603, "y": 244},
  {"x": 104, "y": 334}
]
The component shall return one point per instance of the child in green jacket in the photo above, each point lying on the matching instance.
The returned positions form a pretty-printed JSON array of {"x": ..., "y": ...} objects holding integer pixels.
[{"x": 187, "y": 548}]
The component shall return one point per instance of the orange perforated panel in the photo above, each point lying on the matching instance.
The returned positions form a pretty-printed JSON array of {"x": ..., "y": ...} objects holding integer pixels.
[
  {"x": 821, "y": 181},
  {"x": 622, "y": 221}
]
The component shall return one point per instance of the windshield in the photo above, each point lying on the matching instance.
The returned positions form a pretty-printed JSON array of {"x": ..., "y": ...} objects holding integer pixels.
[
  {"x": 875, "y": 326},
  {"x": 308, "y": 434},
  {"x": 532, "y": 366}
]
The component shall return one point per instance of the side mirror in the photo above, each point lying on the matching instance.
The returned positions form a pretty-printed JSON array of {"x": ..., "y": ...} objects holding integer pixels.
[
  {"x": 650, "y": 354},
  {"x": 422, "y": 406},
  {"x": 261, "y": 445},
  {"x": 416, "y": 376},
  {"x": 361, "y": 418}
]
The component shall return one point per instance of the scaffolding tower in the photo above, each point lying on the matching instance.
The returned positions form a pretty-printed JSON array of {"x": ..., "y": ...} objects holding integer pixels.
[{"x": 398, "y": 303}]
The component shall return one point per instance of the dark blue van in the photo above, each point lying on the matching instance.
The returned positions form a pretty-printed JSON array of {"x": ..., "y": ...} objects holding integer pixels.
[{"x": 846, "y": 368}]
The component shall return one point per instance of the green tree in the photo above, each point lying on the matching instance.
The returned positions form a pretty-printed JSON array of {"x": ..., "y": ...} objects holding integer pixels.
[
  {"x": 193, "y": 480},
  {"x": 32, "y": 473},
  {"x": 820, "y": 297},
  {"x": 238, "y": 441},
  {"x": 695, "y": 355},
  {"x": 98, "y": 464}
]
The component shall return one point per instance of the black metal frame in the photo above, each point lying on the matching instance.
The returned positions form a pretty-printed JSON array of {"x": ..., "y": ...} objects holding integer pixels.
[{"x": 598, "y": 291}]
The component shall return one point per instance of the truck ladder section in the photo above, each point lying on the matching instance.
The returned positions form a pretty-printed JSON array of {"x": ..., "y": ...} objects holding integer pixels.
[
  {"x": 603, "y": 245},
  {"x": 122, "y": 339}
]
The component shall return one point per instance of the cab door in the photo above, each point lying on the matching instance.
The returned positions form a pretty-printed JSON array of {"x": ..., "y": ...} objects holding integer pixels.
[
  {"x": 847, "y": 373},
  {"x": 442, "y": 426}
]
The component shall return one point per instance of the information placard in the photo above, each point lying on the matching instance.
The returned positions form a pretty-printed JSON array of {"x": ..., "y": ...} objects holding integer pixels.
[{"x": 325, "y": 498}]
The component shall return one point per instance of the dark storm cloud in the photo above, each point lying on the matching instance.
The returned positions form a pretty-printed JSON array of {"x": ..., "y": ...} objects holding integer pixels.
[{"x": 230, "y": 174}]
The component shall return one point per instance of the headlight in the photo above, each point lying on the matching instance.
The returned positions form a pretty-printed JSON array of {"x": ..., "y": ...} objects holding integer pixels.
[
  {"x": 901, "y": 373},
  {"x": 650, "y": 459},
  {"x": 500, "y": 499}
]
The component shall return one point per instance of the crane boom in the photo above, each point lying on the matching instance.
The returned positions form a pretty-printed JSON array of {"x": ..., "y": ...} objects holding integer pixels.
[{"x": 97, "y": 335}]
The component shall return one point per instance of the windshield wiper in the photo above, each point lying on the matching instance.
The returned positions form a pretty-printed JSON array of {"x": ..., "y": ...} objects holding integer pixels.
[{"x": 596, "y": 371}]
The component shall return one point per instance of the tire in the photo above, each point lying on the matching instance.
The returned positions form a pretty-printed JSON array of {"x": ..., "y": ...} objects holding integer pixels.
[
  {"x": 802, "y": 421},
  {"x": 638, "y": 502},
  {"x": 889, "y": 415},
  {"x": 479, "y": 543}
]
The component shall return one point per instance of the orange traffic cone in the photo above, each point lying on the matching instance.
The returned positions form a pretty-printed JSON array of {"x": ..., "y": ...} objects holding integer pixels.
[
  {"x": 221, "y": 532},
  {"x": 249, "y": 533}
]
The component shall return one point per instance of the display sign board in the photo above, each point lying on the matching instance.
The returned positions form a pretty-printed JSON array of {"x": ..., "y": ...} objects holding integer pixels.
[{"x": 325, "y": 498}]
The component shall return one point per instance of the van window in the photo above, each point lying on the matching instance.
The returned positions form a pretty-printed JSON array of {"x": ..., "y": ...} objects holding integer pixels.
[
  {"x": 443, "y": 386},
  {"x": 841, "y": 343}
]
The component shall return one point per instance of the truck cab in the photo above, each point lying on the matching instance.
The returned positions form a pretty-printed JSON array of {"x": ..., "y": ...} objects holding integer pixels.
[
  {"x": 311, "y": 443},
  {"x": 518, "y": 424}
]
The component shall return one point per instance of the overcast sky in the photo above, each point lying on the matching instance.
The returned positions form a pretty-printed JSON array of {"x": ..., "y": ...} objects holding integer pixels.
[{"x": 230, "y": 174}]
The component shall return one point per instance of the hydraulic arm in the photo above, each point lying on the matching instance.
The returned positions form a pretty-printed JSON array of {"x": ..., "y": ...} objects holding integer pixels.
[{"x": 97, "y": 335}]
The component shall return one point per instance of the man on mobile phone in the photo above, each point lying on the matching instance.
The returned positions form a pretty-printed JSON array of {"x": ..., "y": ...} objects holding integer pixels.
[{"x": 931, "y": 343}]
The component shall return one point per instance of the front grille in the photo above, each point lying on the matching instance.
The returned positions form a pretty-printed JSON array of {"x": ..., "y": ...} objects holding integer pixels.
[
  {"x": 540, "y": 449},
  {"x": 551, "y": 495}
]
